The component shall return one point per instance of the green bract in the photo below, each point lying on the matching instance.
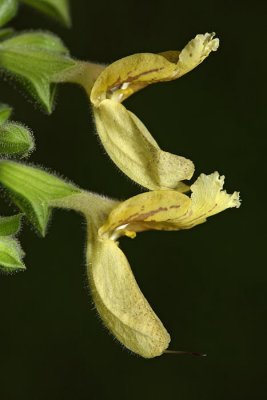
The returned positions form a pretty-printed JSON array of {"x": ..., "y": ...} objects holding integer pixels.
[
  {"x": 58, "y": 9},
  {"x": 10, "y": 225},
  {"x": 36, "y": 59},
  {"x": 15, "y": 139},
  {"x": 32, "y": 190},
  {"x": 10, "y": 254},
  {"x": 8, "y": 9},
  {"x": 5, "y": 112},
  {"x": 10, "y": 250},
  {"x": 33, "y": 58}
]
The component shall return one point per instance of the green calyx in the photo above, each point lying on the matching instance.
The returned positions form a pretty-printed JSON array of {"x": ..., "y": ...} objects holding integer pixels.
[
  {"x": 57, "y": 9},
  {"x": 36, "y": 60},
  {"x": 10, "y": 251},
  {"x": 8, "y": 10},
  {"x": 33, "y": 190}
]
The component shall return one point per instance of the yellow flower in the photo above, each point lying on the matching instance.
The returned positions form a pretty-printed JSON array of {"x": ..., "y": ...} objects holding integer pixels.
[
  {"x": 118, "y": 299},
  {"x": 123, "y": 135}
]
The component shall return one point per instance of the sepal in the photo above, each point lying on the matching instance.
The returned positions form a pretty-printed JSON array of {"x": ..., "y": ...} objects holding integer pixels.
[
  {"x": 10, "y": 255},
  {"x": 57, "y": 9},
  {"x": 15, "y": 139},
  {"x": 8, "y": 10},
  {"x": 36, "y": 59},
  {"x": 32, "y": 190},
  {"x": 5, "y": 112},
  {"x": 10, "y": 225}
]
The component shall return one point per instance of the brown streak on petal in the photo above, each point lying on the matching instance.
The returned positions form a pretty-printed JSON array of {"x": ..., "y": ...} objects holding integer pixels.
[
  {"x": 117, "y": 85},
  {"x": 144, "y": 216},
  {"x": 212, "y": 208},
  {"x": 114, "y": 86},
  {"x": 130, "y": 218},
  {"x": 135, "y": 77}
]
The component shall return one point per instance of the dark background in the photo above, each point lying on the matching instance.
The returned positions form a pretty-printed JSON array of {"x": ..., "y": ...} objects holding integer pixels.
[{"x": 208, "y": 284}]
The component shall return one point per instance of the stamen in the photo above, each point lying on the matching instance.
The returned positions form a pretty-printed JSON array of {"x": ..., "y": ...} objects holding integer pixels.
[
  {"x": 125, "y": 85},
  {"x": 190, "y": 353},
  {"x": 118, "y": 232}
]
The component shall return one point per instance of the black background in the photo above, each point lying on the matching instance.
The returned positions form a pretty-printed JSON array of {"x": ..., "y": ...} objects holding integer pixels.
[{"x": 208, "y": 284}]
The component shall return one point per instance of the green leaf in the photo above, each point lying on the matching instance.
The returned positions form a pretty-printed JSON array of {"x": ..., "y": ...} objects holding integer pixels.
[
  {"x": 58, "y": 9},
  {"x": 15, "y": 139},
  {"x": 5, "y": 112},
  {"x": 10, "y": 254},
  {"x": 8, "y": 10},
  {"x": 33, "y": 189},
  {"x": 10, "y": 225},
  {"x": 36, "y": 59}
]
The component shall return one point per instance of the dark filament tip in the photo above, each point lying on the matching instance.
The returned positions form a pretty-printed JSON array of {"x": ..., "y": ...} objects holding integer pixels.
[{"x": 190, "y": 353}]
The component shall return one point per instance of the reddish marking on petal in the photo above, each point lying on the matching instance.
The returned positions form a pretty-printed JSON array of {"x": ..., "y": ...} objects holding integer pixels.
[
  {"x": 144, "y": 216},
  {"x": 119, "y": 82},
  {"x": 135, "y": 77}
]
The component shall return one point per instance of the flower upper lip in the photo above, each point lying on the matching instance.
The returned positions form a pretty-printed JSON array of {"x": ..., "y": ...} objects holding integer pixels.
[
  {"x": 140, "y": 70},
  {"x": 169, "y": 209}
]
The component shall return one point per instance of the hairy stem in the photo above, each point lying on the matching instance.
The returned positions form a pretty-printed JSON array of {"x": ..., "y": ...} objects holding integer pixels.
[
  {"x": 93, "y": 206},
  {"x": 82, "y": 73}
]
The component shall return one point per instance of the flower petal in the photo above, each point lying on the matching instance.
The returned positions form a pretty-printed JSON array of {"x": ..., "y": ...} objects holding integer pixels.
[
  {"x": 207, "y": 199},
  {"x": 150, "y": 210},
  {"x": 128, "y": 75},
  {"x": 169, "y": 209},
  {"x": 195, "y": 52},
  {"x": 120, "y": 302},
  {"x": 133, "y": 149}
]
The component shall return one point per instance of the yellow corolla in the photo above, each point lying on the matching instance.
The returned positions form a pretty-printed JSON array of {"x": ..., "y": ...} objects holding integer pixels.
[
  {"x": 118, "y": 299},
  {"x": 123, "y": 135}
]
